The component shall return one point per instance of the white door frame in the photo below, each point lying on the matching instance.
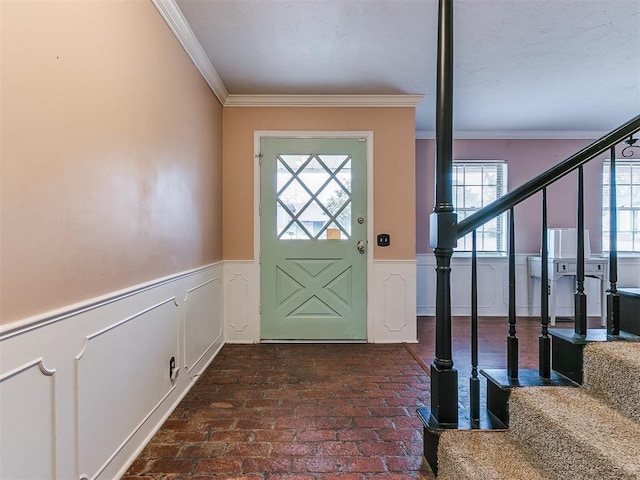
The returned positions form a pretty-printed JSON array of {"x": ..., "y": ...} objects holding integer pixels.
[{"x": 368, "y": 135}]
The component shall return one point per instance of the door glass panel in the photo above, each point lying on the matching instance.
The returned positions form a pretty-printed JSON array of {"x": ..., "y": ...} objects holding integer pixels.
[
  {"x": 333, "y": 162},
  {"x": 314, "y": 197},
  {"x": 344, "y": 176},
  {"x": 333, "y": 196},
  {"x": 283, "y": 176},
  {"x": 294, "y": 196},
  {"x": 334, "y": 232},
  {"x": 294, "y": 162}
]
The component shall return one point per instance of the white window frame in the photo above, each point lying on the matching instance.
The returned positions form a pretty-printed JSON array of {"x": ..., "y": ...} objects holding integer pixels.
[
  {"x": 464, "y": 244},
  {"x": 629, "y": 207}
]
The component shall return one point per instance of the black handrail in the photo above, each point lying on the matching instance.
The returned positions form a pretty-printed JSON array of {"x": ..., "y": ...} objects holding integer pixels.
[{"x": 556, "y": 172}]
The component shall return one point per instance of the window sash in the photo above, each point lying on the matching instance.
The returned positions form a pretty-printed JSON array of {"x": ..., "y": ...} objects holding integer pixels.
[
  {"x": 475, "y": 185},
  {"x": 628, "y": 205}
]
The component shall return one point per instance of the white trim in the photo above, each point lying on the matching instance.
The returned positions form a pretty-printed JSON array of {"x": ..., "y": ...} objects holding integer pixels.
[
  {"x": 40, "y": 320},
  {"x": 257, "y": 135},
  {"x": 323, "y": 100},
  {"x": 172, "y": 14},
  {"x": 130, "y": 336},
  {"x": 516, "y": 135},
  {"x": 183, "y": 32},
  {"x": 181, "y": 29}
]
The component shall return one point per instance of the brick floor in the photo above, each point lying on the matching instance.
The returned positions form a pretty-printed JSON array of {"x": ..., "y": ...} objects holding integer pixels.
[
  {"x": 286, "y": 411},
  {"x": 318, "y": 411}
]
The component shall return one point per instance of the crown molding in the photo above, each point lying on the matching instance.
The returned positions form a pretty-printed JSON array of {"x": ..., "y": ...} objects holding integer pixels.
[
  {"x": 516, "y": 135},
  {"x": 181, "y": 29},
  {"x": 323, "y": 100}
]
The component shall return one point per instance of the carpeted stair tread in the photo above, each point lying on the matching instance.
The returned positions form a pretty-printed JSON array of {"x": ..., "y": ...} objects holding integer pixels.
[
  {"x": 571, "y": 434},
  {"x": 612, "y": 373},
  {"x": 469, "y": 454}
]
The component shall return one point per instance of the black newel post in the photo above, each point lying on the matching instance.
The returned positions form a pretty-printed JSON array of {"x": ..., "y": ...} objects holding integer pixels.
[{"x": 443, "y": 235}]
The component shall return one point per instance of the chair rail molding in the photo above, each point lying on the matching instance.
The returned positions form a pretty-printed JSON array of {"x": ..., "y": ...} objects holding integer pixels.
[{"x": 104, "y": 366}]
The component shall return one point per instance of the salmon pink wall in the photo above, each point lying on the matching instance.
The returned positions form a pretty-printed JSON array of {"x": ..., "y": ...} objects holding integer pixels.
[
  {"x": 111, "y": 154},
  {"x": 394, "y": 168},
  {"x": 525, "y": 159}
]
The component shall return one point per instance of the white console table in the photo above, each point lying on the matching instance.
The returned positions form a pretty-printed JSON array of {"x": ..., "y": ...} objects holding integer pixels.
[{"x": 594, "y": 267}]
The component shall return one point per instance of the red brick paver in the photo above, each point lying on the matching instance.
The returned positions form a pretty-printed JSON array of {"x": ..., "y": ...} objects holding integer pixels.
[{"x": 302, "y": 412}]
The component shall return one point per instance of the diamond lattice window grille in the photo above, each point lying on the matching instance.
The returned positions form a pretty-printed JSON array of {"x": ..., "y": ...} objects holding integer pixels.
[{"x": 313, "y": 196}]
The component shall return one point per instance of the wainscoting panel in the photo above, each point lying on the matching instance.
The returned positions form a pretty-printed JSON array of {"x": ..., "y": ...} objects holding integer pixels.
[
  {"x": 492, "y": 278},
  {"x": 111, "y": 389},
  {"x": 629, "y": 271},
  {"x": 122, "y": 372},
  {"x": 493, "y": 287},
  {"x": 241, "y": 312},
  {"x": 393, "y": 319},
  {"x": 27, "y": 399},
  {"x": 203, "y": 322},
  {"x": 391, "y": 315}
]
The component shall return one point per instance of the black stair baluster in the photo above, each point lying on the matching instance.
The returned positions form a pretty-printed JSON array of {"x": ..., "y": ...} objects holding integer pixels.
[
  {"x": 613, "y": 299},
  {"x": 580, "y": 321},
  {"x": 474, "y": 381},
  {"x": 512, "y": 339},
  {"x": 544, "y": 342}
]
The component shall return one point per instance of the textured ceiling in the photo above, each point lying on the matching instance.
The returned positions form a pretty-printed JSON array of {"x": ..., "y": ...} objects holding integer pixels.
[{"x": 520, "y": 65}]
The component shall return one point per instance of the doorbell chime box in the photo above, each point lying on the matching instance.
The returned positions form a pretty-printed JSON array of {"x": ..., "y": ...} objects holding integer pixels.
[{"x": 384, "y": 240}]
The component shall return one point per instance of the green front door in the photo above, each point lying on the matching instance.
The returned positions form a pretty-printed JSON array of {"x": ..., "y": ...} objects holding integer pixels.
[{"x": 313, "y": 239}]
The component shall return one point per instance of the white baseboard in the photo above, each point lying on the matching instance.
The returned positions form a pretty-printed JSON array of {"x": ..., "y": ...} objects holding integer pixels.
[{"x": 83, "y": 390}]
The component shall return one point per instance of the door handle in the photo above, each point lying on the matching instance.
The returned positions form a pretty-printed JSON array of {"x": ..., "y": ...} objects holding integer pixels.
[{"x": 360, "y": 246}]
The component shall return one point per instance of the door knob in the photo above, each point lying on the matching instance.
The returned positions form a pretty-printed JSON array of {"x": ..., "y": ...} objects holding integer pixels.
[{"x": 361, "y": 246}]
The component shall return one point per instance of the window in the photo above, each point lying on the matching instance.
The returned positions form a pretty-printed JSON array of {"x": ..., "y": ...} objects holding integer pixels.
[
  {"x": 476, "y": 184},
  {"x": 628, "y": 205},
  {"x": 313, "y": 197}
]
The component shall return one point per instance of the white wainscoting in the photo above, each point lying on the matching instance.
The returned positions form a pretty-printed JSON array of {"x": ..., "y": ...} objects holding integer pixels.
[
  {"x": 391, "y": 314},
  {"x": 241, "y": 307},
  {"x": 629, "y": 271},
  {"x": 493, "y": 287},
  {"x": 28, "y": 388},
  {"x": 83, "y": 389},
  {"x": 393, "y": 319}
]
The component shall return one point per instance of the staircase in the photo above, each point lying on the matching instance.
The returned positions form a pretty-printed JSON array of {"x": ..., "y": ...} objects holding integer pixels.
[
  {"x": 586, "y": 432},
  {"x": 557, "y": 428}
]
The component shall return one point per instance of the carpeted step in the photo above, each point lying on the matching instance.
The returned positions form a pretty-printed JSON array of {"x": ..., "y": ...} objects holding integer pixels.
[
  {"x": 612, "y": 374},
  {"x": 472, "y": 455},
  {"x": 571, "y": 434}
]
